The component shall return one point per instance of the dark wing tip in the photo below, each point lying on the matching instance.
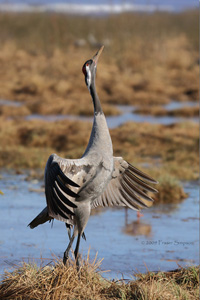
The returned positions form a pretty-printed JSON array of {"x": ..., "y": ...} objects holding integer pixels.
[
  {"x": 56, "y": 190},
  {"x": 66, "y": 179},
  {"x": 63, "y": 197},
  {"x": 141, "y": 174},
  {"x": 65, "y": 189},
  {"x": 155, "y": 181}
]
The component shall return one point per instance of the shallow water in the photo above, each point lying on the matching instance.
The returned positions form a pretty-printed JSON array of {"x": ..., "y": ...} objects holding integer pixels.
[
  {"x": 10, "y": 103},
  {"x": 126, "y": 116},
  {"x": 165, "y": 236},
  {"x": 177, "y": 105}
]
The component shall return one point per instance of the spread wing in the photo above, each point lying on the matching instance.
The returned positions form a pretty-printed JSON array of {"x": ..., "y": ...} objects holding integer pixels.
[
  {"x": 126, "y": 188},
  {"x": 63, "y": 178}
]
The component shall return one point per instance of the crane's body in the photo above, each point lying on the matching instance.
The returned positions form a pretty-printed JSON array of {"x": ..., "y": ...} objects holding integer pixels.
[{"x": 74, "y": 186}]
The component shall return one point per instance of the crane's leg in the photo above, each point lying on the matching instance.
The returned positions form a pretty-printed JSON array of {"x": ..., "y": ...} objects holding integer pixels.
[
  {"x": 68, "y": 230},
  {"x": 66, "y": 253},
  {"x": 76, "y": 250}
]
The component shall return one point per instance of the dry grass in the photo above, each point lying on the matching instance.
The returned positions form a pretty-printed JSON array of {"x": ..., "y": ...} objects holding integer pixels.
[
  {"x": 53, "y": 85},
  {"x": 27, "y": 144},
  {"x": 65, "y": 283},
  {"x": 169, "y": 191},
  {"x": 151, "y": 59},
  {"x": 169, "y": 149},
  {"x": 185, "y": 112},
  {"x": 161, "y": 111}
]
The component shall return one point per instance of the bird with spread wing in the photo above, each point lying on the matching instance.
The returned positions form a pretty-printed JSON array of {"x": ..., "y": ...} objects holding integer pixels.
[{"x": 75, "y": 186}]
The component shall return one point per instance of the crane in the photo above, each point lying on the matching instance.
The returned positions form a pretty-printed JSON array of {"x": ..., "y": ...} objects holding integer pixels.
[{"x": 75, "y": 186}]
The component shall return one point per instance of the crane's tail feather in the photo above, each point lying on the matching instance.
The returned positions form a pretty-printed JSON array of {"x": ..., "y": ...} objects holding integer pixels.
[{"x": 40, "y": 219}]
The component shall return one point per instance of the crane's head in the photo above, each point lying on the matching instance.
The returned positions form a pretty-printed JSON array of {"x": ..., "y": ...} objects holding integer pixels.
[{"x": 89, "y": 68}]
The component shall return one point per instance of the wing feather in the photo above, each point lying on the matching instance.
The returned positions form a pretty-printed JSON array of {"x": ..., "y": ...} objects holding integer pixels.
[
  {"x": 54, "y": 209},
  {"x": 140, "y": 182},
  {"x": 60, "y": 204},
  {"x": 128, "y": 201},
  {"x": 60, "y": 188},
  {"x": 138, "y": 191},
  {"x": 66, "y": 179},
  {"x": 63, "y": 197},
  {"x": 110, "y": 196},
  {"x": 104, "y": 200},
  {"x": 141, "y": 174},
  {"x": 116, "y": 196},
  {"x": 64, "y": 188},
  {"x": 127, "y": 187},
  {"x": 131, "y": 196}
]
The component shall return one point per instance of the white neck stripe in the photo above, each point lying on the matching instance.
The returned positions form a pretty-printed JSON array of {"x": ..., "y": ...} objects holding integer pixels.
[{"x": 88, "y": 78}]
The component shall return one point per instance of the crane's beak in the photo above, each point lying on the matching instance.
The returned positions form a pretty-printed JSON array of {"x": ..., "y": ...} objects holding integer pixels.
[{"x": 96, "y": 57}]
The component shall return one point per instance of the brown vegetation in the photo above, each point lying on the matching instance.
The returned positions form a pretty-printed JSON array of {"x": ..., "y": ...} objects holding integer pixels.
[
  {"x": 171, "y": 149},
  {"x": 169, "y": 191},
  {"x": 61, "y": 282},
  {"x": 41, "y": 66},
  {"x": 168, "y": 149},
  {"x": 161, "y": 111}
]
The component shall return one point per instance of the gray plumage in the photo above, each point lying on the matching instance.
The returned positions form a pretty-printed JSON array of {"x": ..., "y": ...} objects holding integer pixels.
[{"x": 75, "y": 186}]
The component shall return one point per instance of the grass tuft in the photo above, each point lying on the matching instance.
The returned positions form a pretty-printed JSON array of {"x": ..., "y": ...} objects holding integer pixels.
[
  {"x": 169, "y": 190},
  {"x": 59, "y": 282}
]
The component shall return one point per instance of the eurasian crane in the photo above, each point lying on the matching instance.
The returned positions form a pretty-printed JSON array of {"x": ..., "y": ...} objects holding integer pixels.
[{"x": 75, "y": 186}]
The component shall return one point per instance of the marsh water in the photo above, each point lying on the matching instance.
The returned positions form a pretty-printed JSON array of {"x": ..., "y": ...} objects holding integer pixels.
[
  {"x": 163, "y": 238},
  {"x": 127, "y": 115}
]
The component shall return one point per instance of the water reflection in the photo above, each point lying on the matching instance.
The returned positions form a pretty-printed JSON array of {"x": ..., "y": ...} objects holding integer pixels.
[{"x": 136, "y": 227}]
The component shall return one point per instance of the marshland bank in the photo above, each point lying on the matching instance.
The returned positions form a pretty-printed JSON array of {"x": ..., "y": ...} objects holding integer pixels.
[{"x": 59, "y": 282}]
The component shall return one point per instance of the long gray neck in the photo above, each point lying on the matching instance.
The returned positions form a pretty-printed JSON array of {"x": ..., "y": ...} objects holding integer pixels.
[
  {"x": 95, "y": 98},
  {"x": 100, "y": 136}
]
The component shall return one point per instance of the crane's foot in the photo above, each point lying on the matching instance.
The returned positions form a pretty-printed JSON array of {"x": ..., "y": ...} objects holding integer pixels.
[{"x": 78, "y": 262}]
